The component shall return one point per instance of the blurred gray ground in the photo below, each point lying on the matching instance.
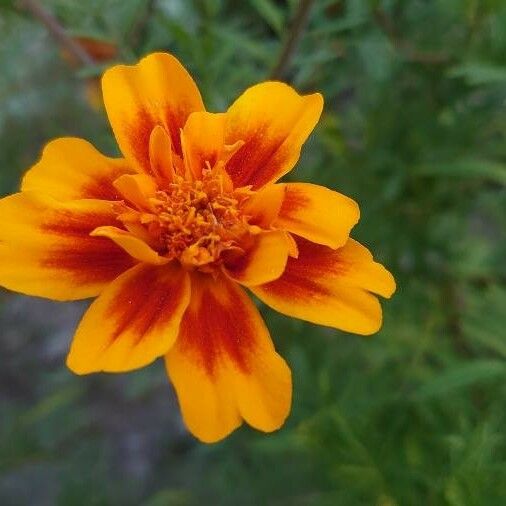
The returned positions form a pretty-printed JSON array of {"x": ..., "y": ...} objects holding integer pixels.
[{"x": 134, "y": 416}]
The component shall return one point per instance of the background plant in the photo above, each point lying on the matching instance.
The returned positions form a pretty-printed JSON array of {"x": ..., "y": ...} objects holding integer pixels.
[{"x": 414, "y": 129}]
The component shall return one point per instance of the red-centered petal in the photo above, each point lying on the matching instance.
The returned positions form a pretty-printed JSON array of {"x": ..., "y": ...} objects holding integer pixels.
[
  {"x": 265, "y": 261},
  {"x": 46, "y": 248},
  {"x": 72, "y": 169},
  {"x": 331, "y": 287},
  {"x": 317, "y": 213},
  {"x": 224, "y": 366},
  {"x": 156, "y": 91},
  {"x": 274, "y": 121},
  {"x": 134, "y": 321},
  {"x": 132, "y": 244}
]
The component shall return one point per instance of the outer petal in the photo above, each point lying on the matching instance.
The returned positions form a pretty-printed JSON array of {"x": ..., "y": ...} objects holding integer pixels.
[
  {"x": 224, "y": 366},
  {"x": 265, "y": 261},
  {"x": 317, "y": 213},
  {"x": 46, "y": 248},
  {"x": 73, "y": 169},
  {"x": 274, "y": 121},
  {"x": 156, "y": 91},
  {"x": 134, "y": 321},
  {"x": 331, "y": 287}
]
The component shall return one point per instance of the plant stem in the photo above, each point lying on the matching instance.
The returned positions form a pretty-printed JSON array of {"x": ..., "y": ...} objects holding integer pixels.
[
  {"x": 290, "y": 45},
  {"x": 56, "y": 30}
]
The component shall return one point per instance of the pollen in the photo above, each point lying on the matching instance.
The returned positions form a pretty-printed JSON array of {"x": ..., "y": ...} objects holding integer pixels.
[{"x": 194, "y": 221}]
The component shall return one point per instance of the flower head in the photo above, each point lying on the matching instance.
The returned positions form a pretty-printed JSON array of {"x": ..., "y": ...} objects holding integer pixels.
[{"x": 166, "y": 236}]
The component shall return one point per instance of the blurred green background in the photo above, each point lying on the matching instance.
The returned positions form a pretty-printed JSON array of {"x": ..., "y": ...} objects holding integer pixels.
[{"x": 414, "y": 129}]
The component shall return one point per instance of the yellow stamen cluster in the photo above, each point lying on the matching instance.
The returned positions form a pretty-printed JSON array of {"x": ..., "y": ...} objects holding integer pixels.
[{"x": 196, "y": 221}]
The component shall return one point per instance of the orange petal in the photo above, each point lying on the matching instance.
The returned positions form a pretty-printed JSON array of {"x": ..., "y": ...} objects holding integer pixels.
[
  {"x": 134, "y": 320},
  {"x": 156, "y": 91},
  {"x": 134, "y": 246},
  {"x": 264, "y": 262},
  {"x": 224, "y": 366},
  {"x": 202, "y": 139},
  {"x": 317, "y": 213},
  {"x": 137, "y": 189},
  {"x": 264, "y": 205},
  {"x": 73, "y": 169},
  {"x": 160, "y": 155},
  {"x": 46, "y": 248},
  {"x": 274, "y": 121},
  {"x": 331, "y": 287},
  {"x": 293, "y": 249}
]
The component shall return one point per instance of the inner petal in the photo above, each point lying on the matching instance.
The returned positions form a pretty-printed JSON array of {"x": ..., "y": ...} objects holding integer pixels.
[{"x": 192, "y": 221}]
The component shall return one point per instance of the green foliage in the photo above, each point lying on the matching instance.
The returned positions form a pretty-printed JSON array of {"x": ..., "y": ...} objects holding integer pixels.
[{"x": 414, "y": 129}]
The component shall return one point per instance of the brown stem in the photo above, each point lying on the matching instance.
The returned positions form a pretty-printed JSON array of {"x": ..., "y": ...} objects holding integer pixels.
[
  {"x": 139, "y": 29},
  {"x": 290, "y": 45},
  {"x": 56, "y": 30},
  {"x": 409, "y": 52}
]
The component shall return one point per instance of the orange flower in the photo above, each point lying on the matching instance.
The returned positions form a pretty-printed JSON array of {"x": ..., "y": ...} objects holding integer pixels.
[{"x": 166, "y": 235}]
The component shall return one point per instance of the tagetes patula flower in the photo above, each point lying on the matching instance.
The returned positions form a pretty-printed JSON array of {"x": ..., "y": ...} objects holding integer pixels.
[{"x": 168, "y": 236}]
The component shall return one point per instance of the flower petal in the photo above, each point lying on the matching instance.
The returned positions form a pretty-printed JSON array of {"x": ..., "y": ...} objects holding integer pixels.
[
  {"x": 274, "y": 121},
  {"x": 134, "y": 320},
  {"x": 203, "y": 139},
  {"x": 72, "y": 169},
  {"x": 264, "y": 205},
  {"x": 134, "y": 246},
  {"x": 224, "y": 366},
  {"x": 264, "y": 262},
  {"x": 46, "y": 249},
  {"x": 160, "y": 155},
  {"x": 331, "y": 287},
  {"x": 136, "y": 188},
  {"x": 317, "y": 213},
  {"x": 156, "y": 91}
]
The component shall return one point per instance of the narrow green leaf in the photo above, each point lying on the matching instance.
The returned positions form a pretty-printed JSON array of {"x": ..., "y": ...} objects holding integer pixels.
[
  {"x": 476, "y": 74},
  {"x": 466, "y": 168},
  {"x": 270, "y": 12},
  {"x": 462, "y": 376}
]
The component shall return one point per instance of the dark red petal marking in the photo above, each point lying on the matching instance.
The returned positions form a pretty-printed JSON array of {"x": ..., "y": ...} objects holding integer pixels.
[
  {"x": 255, "y": 162},
  {"x": 102, "y": 188},
  {"x": 300, "y": 278},
  {"x": 147, "y": 301},
  {"x": 138, "y": 133},
  {"x": 93, "y": 260},
  {"x": 294, "y": 200},
  {"x": 175, "y": 120},
  {"x": 87, "y": 258},
  {"x": 214, "y": 330}
]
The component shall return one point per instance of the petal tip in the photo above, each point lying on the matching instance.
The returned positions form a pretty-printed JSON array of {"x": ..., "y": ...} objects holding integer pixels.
[
  {"x": 75, "y": 365},
  {"x": 391, "y": 285}
]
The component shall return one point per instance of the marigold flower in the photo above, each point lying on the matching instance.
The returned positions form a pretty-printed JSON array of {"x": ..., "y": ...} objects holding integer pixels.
[{"x": 166, "y": 236}]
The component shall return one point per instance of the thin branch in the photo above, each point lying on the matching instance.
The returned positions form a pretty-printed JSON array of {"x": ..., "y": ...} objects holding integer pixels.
[
  {"x": 407, "y": 51},
  {"x": 294, "y": 35},
  {"x": 138, "y": 31},
  {"x": 56, "y": 30}
]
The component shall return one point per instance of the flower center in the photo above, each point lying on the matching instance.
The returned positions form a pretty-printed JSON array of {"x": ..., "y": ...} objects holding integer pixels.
[{"x": 195, "y": 221}]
